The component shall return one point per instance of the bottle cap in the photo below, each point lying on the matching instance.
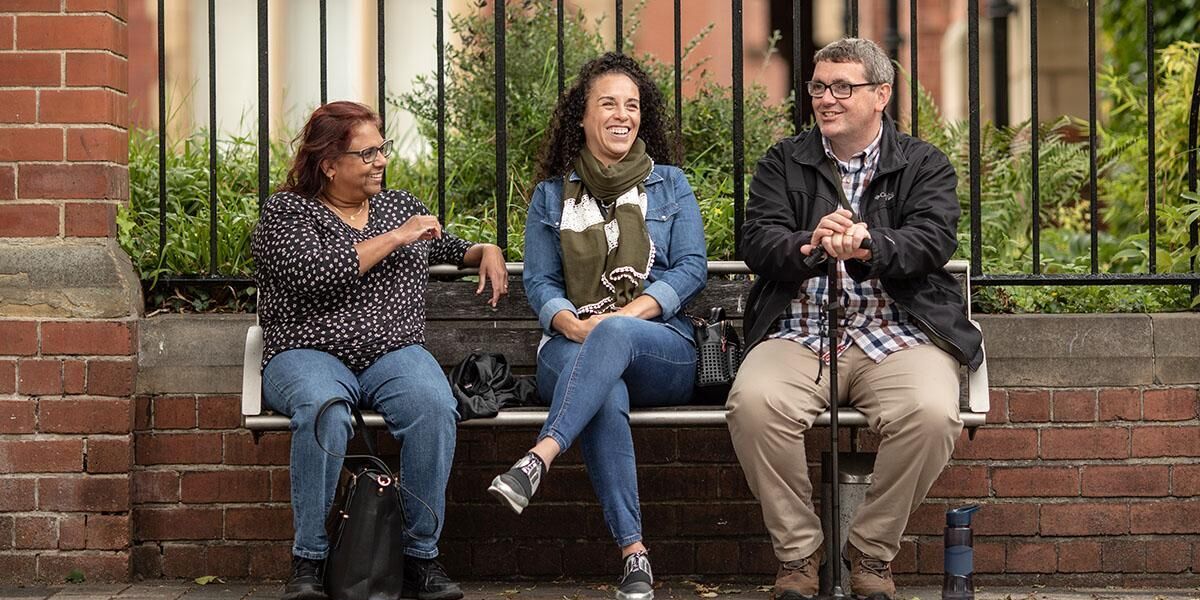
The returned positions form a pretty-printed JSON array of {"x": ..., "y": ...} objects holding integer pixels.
[{"x": 961, "y": 516}]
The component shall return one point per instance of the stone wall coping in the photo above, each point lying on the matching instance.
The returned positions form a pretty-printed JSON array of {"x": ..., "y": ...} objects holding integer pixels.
[{"x": 202, "y": 354}]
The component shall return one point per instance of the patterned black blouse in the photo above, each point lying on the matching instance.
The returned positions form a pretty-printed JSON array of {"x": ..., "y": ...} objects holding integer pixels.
[{"x": 310, "y": 294}]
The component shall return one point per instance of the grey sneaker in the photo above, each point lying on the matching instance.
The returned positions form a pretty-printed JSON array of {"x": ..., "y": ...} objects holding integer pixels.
[
  {"x": 515, "y": 487},
  {"x": 638, "y": 582}
]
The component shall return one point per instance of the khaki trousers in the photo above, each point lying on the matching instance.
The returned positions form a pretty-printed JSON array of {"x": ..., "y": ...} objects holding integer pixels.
[{"x": 910, "y": 399}]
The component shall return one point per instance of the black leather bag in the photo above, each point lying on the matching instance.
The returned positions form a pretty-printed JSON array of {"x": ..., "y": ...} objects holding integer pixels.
[
  {"x": 367, "y": 525},
  {"x": 483, "y": 384},
  {"x": 718, "y": 350}
]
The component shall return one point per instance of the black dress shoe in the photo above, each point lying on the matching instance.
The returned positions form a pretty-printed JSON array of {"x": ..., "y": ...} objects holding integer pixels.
[
  {"x": 426, "y": 579},
  {"x": 306, "y": 582}
]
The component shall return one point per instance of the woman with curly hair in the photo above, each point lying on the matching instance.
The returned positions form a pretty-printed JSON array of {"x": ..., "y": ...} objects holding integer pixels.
[{"x": 614, "y": 248}]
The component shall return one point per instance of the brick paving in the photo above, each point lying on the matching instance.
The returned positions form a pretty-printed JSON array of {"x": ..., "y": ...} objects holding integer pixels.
[{"x": 674, "y": 590}]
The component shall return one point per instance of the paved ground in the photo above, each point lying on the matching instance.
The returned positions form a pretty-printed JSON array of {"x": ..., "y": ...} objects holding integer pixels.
[{"x": 676, "y": 590}]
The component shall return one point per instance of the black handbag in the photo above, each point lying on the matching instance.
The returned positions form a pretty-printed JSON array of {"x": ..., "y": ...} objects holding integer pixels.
[
  {"x": 483, "y": 384},
  {"x": 367, "y": 526},
  {"x": 718, "y": 350}
]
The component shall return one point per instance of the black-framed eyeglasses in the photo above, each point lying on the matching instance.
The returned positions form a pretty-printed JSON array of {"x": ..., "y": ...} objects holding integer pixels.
[
  {"x": 840, "y": 89},
  {"x": 368, "y": 154}
]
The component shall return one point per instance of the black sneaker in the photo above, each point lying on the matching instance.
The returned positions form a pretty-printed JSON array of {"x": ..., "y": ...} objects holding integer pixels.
[
  {"x": 638, "y": 582},
  {"x": 306, "y": 582},
  {"x": 516, "y": 486},
  {"x": 426, "y": 579}
]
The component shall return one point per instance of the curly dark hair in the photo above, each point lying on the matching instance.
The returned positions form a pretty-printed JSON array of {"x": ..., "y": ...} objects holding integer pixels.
[{"x": 565, "y": 138}]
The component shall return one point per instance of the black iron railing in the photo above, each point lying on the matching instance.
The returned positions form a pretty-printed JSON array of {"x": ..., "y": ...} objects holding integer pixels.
[{"x": 802, "y": 114}]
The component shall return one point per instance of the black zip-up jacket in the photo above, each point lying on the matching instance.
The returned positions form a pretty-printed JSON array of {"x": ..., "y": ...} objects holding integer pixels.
[{"x": 910, "y": 209}]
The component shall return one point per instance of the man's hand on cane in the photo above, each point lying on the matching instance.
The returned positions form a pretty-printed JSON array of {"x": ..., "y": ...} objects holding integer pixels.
[{"x": 840, "y": 236}]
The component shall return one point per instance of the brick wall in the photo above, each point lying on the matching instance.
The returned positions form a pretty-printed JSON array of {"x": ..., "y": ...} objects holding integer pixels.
[
  {"x": 1089, "y": 485},
  {"x": 63, "y": 117},
  {"x": 207, "y": 498},
  {"x": 66, "y": 358}
]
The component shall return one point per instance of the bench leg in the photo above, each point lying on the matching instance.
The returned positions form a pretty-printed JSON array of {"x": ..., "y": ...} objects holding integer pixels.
[{"x": 855, "y": 478}]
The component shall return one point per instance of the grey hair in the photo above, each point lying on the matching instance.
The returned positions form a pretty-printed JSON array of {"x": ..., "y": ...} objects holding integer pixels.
[{"x": 874, "y": 60}]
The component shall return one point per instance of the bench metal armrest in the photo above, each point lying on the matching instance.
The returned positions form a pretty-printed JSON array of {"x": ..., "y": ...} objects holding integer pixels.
[
  {"x": 252, "y": 371},
  {"x": 978, "y": 396}
]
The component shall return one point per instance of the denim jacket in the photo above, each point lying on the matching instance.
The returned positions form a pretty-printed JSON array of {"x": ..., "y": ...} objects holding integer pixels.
[{"x": 680, "y": 266}]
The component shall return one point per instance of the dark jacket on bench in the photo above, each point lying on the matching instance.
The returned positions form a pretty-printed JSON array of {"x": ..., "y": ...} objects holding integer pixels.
[{"x": 911, "y": 211}]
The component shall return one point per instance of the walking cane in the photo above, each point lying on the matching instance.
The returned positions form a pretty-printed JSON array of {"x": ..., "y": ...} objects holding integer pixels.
[{"x": 834, "y": 547}]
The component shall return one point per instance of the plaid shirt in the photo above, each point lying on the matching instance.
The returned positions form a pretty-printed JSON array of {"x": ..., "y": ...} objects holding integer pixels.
[{"x": 871, "y": 319}]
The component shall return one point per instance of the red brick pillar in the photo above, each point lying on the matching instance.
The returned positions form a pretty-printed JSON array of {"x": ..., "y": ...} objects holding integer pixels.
[{"x": 69, "y": 300}]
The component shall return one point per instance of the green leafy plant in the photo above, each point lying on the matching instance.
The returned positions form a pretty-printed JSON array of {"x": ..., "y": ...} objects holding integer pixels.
[
  {"x": 186, "y": 249},
  {"x": 186, "y": 245},
  {"x": 1123, "y": 188},
  {"x": 1123, "y": 32},
  {"x": 1123, "y": 243}
]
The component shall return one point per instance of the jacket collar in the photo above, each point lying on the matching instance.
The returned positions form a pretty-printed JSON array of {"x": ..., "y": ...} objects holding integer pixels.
[{"x": 810, "y": 151}]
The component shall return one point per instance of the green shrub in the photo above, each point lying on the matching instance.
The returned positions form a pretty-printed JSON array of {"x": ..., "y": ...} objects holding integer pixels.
[{"x": 1006, "y": 186}]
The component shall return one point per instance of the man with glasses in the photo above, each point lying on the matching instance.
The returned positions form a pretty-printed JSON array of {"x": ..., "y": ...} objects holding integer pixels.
[{"x": 883, "y": 205}]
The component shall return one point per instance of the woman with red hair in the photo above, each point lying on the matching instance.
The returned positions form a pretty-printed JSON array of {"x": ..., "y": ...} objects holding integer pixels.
[{"x": 342, "y": 266}]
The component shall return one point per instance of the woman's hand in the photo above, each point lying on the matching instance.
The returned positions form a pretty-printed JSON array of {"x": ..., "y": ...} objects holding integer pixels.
[
  {"x": 642, "y": 307},
  {"x": 417, "y": 228},
  {"x": 492, "y": 269},
  {"x": 576, "y": 329}
]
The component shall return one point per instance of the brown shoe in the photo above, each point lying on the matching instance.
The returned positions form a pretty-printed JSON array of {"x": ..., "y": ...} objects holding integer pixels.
[
  {"x": 870, "y": 578},
  {"x": 799, "y": 579}
]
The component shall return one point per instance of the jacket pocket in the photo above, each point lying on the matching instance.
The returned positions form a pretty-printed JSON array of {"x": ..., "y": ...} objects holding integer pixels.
[
  {"x": 663, "y": 212},
  {"x": 658, "y": 224}
]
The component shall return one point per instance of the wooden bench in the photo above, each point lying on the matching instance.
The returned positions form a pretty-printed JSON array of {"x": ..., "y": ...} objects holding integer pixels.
[{"x": 458, "y": 322}]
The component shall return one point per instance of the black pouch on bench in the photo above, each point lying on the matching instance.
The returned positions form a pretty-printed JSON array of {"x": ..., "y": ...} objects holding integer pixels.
[{"x": 483, "y": 384}]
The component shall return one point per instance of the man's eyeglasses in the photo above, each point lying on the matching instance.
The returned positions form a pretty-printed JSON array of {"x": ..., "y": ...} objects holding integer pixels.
[
  {"x": 840, "y": 90},
  {"x": 368, "y": 154}
]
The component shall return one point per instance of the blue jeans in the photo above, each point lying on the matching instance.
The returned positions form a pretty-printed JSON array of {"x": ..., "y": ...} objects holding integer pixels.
[
  {"x": 623, "y": 362},
  {"x": 408, "y": 388}
]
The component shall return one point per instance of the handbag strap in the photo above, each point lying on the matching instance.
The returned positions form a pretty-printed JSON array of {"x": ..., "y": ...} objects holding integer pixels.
[
  {"x": 373, "y": 457},
  {"x": 716, "y": 315}
]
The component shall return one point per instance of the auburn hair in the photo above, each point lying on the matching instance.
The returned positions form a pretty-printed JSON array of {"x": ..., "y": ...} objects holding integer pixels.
[{"x": 325, "y": 136}]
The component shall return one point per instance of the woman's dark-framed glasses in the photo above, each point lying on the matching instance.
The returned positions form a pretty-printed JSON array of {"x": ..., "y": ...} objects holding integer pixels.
[
  {"x": 368, "y": 154},
  {"x": 840, "y": 89}
]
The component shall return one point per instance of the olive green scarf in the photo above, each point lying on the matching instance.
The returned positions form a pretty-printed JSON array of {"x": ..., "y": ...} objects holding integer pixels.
[{"x": 606, "y": 249}]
